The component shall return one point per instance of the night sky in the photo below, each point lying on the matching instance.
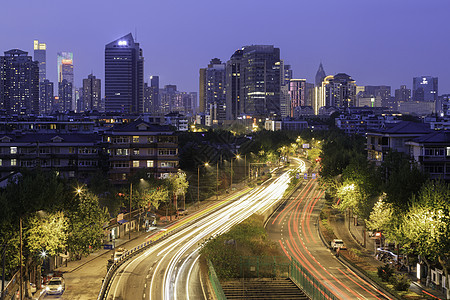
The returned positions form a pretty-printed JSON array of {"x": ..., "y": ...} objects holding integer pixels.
[{"x": 384, "y": 42}]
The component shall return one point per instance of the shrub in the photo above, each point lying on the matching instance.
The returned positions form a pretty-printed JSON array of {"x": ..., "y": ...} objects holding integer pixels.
[
  {"x": 385, "y": 272},
  {"x": 400, "y": 282}
]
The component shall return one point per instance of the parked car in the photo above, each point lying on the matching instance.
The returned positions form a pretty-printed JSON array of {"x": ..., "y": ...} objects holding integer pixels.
[
  {"x": 118, "y": 253},
  {"x": 182, "y": 212},
  {"x": 337, "y": 244},
  {"x": 56, "y": 285}
]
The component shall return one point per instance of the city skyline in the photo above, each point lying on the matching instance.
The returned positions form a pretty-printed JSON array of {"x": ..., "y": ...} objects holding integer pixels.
[{"x": 384, "y": 43}]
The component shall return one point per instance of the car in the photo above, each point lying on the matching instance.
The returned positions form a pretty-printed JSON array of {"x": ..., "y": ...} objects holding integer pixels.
[
  {"x": 118, "y": 253},
  {"x": 182, "y": 212},
  {"x": 56, "y": 285},
  {"x": 337, "y": 244}
]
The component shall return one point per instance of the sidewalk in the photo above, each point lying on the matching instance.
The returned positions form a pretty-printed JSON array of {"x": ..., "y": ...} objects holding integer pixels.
[{"x": 353, "y": 238}]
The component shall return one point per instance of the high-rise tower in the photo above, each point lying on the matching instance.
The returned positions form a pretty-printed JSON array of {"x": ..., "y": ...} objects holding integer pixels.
[
  {"x": 320, "y": 75},
  {"x": 425, "y": 88},
  {"x": 65, "y": 81},
  {"x": 212, "y": 89},
  {"x": 91, "y": 93},
  {"x": 19, "y": 83},
  {"x": 124, "y": 76}
]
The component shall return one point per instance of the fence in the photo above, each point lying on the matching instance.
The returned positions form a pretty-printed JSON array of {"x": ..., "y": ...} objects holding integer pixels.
[
  {"x": 313, "y": 288},
  {"x": 215, "y": 282},
  {"x": 264, "y": 267}
]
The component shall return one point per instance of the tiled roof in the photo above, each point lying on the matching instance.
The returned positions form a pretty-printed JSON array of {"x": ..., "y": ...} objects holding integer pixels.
[
  {"x": 407, "y": 127},
  {"x": 133, "y": 126},
  {"x": 48, "y": 138},
  {"x": 438, "y": 137}
]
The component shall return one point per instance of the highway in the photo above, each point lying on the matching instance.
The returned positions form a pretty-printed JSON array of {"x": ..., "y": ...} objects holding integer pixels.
[
  {"x": 170, "y": 269},
  {"x": 294, "y": 226}
]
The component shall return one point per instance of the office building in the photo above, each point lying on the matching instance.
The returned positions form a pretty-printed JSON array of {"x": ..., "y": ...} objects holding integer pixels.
[
  {"x": 154, "y": 85},
  {"x": 425, "y": 88},
  {"x": 212, "y": 95},
  {"x": 124, "y": 76},
  {"x": 19, "y": 83},
  {"x": 258, "y": 69},
  {"x": 233, "y": 86},
  {"x": 65, "y": 81},
  {"x": 91, "y": 96},
  {"x": 40, "y": 56},
  {"x": 382, "y": 92}
]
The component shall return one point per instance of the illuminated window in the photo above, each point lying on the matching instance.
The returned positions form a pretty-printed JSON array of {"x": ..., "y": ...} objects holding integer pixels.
[
  {"x": 1, "y": 162},
  {"x": 13, "y": 162},
  {"x": 13, "y": 150},
  {"x": 149, "y": 163},
  {"x": 135, "y": 139},
  {"x": 135, "y": 164}
]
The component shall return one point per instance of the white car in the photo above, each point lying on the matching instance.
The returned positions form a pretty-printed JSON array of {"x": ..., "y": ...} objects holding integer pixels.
[
  {"x": 337, "y": 244},
  {"x": 56, "y": 285},
  {"x": 118, "y": 253}
]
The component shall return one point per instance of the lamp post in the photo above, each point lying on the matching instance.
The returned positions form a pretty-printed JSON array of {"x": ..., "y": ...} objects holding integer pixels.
[{"x": 129, "y": 216}]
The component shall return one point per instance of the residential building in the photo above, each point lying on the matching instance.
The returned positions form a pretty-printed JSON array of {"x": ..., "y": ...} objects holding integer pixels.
[
  {"x": 46, "y": 97},
  {"x": 432, "y": 153},
  {"x": 402, "y": 94},
  {"x": 393, "y": 137},
  {"x": 73, "y": 155},
  {"x": 65, "y": 92},
  {"x": 140, "y": 146},
  {"x": 212, "y": 95},
  {"x": 338, "y": 91},
  {"x": 297, "y": 93},
  {"x": 92, "y": 94},
  {"x": 155, "y": 101},
  {"x": 124, "y": 76},
  {"x": 19, "y": 83}
]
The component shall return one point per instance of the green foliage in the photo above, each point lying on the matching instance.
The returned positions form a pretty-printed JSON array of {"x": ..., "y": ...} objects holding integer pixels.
[
  {"x": 246, "y": 239},
  {"x": 400, "y": 282},
  {"x": 46, "y": 232},
  {"x": 380, "y": 218},
  {"x": 155, "y": 197},
  {"x": 86, "y": 220},
  {"x": 385, "y": 272}
]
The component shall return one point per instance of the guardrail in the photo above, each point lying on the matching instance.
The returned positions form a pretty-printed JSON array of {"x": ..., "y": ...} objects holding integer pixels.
[
  {"x": 11, "y": 287},
  {"x": 130, "y": 253},
  {"x": 217, "y": 287}
]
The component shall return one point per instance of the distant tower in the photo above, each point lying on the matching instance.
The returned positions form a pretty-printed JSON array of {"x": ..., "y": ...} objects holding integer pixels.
[
  {"x": 425, "y": 88},
  {"x": 92, "y": 95},
  {"x": 124, "y": 76},
  {"x": 40, "y": 56},
  {"x": 320, "y": 75},
  {"x": 212, "y": 89},
  {"x": 19, "y": 83},
  {"x": 65, "y": 81}
]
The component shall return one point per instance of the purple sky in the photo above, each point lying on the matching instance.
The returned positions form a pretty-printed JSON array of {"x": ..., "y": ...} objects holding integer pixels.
[{"x": 384, "y": 42}]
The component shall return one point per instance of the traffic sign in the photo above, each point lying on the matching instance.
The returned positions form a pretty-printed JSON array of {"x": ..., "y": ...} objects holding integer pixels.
[
  {"x": 305, "y": 176},
  {"x": 297, "y": 176},
  {"x": 313, "y": 175}
]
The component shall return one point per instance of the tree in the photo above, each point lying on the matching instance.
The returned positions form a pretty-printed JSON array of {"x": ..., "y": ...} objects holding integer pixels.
[
  {"x": 86, "y": 221},
  {"x": 380, "y": 218},
  {"x": 178, "y": 185},
  {"x": 426, "y": 225}
]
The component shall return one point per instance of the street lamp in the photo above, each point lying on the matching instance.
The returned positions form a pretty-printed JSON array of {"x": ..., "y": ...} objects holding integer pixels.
[{"x": 198, "y": 182}]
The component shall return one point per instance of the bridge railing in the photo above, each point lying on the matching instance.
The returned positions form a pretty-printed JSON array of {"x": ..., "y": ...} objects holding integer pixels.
[
  {"x": 312, "y": 287},
  {"x": 217, "y": 287}
]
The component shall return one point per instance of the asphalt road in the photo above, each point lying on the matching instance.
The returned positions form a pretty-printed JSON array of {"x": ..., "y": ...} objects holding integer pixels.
[
  {"x": 294, "y": 226},
  {"x": 169, "y": 269}
]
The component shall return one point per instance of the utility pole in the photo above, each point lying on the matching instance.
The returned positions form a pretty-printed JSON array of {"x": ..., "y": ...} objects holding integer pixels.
[{"x": 20, "y": 260}]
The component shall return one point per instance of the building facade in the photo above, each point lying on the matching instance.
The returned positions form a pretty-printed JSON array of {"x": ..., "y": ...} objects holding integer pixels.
[
  {"x": 19, "y": 83},
  {"x": 92, "y": 94},
  {"x": 65, "y": 81},
  {"x": 212, "y": 97},
  {"x": 425, "y": 88},
  {"x": 339, "y": 91},
  {"x": 140, "y": 146},
  {"x": 124, "y": 76}
]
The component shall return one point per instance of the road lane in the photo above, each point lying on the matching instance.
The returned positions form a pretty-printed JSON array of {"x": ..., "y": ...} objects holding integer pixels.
[{"x": 295, "y": 228}]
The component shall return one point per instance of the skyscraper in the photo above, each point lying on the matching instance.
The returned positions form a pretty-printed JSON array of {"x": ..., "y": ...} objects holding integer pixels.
[
  {"x": 19, "y": 83},
  {"x": 259, "y": 69},
  {"x": 40, "y": 56},
  {"x": 402, "y": 94},
  {"x": 124, "y": 76},
  {"x": 320, "y": 75},
  {"x": 381, "y": 91},
  {"x": 212, "y": 89},
  {"x": 154, "y": 85},
  {"x": 92, "y": 94},
  {"x": 65, "y": 81},
  {"x": 425, "y": 88}
]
